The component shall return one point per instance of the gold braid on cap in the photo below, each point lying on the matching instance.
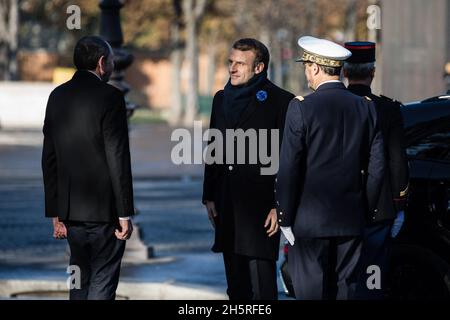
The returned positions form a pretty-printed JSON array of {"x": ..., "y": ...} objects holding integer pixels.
[{"x": 321, "y": 60}]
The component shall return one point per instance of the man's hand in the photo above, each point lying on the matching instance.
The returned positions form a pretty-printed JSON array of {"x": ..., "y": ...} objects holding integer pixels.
[
  {"x": 212, "y": 213},
  {"x": 271, "y": 221},
  {"x": 126, "y": 229},
  {"x": 59, "y": 229}
]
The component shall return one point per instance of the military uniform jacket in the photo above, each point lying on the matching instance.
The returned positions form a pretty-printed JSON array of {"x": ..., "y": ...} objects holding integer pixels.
[
  {"x": 331, "y": 163},
  {"x": 395, "y": 182},
  {"x": 243, "y": 197}
]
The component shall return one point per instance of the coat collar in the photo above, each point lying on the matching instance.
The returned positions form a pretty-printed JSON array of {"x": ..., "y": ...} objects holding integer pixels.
[
  {"x": 85, "y": 75},
  {"x": 360, "y": 89},
  {"x": 331, "y": 85}
]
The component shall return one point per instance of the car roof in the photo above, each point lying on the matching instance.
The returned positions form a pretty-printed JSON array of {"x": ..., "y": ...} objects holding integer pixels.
[
  {"x": 426, "y": 117},
  {"x": 426, "y": 110}
]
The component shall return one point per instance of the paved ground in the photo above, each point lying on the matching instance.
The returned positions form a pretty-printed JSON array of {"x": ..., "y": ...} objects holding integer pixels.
[{"x": 171, "y": 219}]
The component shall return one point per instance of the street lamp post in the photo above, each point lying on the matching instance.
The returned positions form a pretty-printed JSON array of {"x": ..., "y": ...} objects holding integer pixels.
[{"x": 111, "y": 31}]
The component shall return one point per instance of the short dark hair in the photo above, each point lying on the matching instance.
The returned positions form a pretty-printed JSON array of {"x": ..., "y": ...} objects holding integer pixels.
[
  {"x": 359, "y": 71},
  {"x": 260, "y": 50},
  {"x": 88, "y": 51},
  {"x": 331, "y": 71}
]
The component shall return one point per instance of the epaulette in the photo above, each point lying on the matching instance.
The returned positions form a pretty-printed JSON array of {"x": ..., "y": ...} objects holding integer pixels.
[
  {"x": 386, "y": 98},
  {"x": 299, "y": 98},
  {"x": 367, "y": 98},
  {"x": 390, "y": 100}
]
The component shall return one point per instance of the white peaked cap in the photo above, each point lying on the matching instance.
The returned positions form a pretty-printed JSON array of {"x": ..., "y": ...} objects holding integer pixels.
[{"x": 321, "y": 51}]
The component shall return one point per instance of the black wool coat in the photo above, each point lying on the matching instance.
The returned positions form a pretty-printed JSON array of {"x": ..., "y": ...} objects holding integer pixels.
[
  {"x": 243, "y": 197},
  {"x": 86, "y": 156}
]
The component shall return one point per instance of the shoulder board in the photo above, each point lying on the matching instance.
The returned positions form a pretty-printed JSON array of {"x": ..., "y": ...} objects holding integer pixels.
[
  {"x": 300, "y": 98},
  {"x": 390, "y": 100},
  {"x": 367, "y": 98},
  {"x": 386, "y": 98}
]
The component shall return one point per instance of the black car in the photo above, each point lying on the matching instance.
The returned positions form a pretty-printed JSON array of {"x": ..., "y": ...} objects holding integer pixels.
[{"x": 420, "y": 257}]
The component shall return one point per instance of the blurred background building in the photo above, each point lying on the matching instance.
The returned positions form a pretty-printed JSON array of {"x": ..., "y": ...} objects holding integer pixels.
[
  {"x": 415, "y": 43},
  {"x": 181, "y": 46}
]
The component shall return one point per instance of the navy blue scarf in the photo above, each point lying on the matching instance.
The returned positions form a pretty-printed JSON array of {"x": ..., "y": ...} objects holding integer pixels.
[{"x": 237, "y": 98}]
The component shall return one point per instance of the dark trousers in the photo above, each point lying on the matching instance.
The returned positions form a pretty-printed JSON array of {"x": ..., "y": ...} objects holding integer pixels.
[
  {"x": 324, "y": 268},
  {"x": 250, "y": 278},
  {"x": 375, "y": 251},
  {"x": 98, "y": 253}
]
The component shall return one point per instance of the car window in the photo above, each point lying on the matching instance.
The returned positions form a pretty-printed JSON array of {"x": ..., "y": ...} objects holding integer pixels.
[{"x": 435, "y": 146}]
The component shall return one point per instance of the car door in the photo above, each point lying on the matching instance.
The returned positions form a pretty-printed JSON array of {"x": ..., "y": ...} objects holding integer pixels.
[
  {"x": 429, "y": 200},
  {"x": 439, "y": 201}
]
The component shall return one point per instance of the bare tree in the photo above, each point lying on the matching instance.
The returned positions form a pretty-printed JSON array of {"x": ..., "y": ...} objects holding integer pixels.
[
  {"x": 212, "y": 52},
  {"x": 194, "y": 11},
  {"x": 4, "y": 43},
  {"x": 217, "y": 32},
  {"x": 350, "y": 20},
  {"x": 176, "y": 58},
  {"x": 9, "y": 29}
]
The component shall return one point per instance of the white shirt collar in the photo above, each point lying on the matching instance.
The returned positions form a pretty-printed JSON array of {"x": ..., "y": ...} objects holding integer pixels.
[
  {"x": 328, "y": 81},
  {"x": 95, "y": 75}
]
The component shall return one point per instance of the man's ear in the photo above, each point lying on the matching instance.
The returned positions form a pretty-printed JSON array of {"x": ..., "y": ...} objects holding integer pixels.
[
  {"x": 101, "y": 65},
  {"x": 316, "y": 69},
  {"x": 259, "y": 68}
]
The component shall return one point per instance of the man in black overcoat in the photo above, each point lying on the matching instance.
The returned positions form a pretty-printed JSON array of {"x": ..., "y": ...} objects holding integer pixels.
[
  {"x": 239, "y": 195},
  {"x": 87, "y": 171}
]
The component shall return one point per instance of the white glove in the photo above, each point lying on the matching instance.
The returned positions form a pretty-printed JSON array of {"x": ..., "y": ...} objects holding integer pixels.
[{"x": 287, "y": 231}]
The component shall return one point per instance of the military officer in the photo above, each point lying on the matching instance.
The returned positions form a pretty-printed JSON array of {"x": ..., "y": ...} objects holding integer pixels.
[
  {"x": 359, "y": 69},
  {"x": 331, "y": 168}
]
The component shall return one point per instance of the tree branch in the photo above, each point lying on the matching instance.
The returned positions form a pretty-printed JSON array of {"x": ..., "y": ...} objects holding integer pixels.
[
  {"x": 199, "y": 9},
  {"x": 3, "y": 23}
]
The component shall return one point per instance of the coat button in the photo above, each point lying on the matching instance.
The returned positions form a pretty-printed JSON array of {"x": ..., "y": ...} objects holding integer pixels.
[
  {"x": 281, "y": 213},
  {"x": 230, "y": 168},
  {"x": 279, "y": 220}
]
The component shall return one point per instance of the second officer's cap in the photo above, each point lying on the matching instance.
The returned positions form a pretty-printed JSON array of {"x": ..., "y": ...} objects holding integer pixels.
[{"x": 362, "y": 51}]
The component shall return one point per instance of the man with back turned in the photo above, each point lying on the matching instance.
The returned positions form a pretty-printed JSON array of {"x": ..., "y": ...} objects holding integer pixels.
[
  {"x": 87, "y": 171},
  {"x": 331, "y": 167},
  {"x": 387, "y": 219}
]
